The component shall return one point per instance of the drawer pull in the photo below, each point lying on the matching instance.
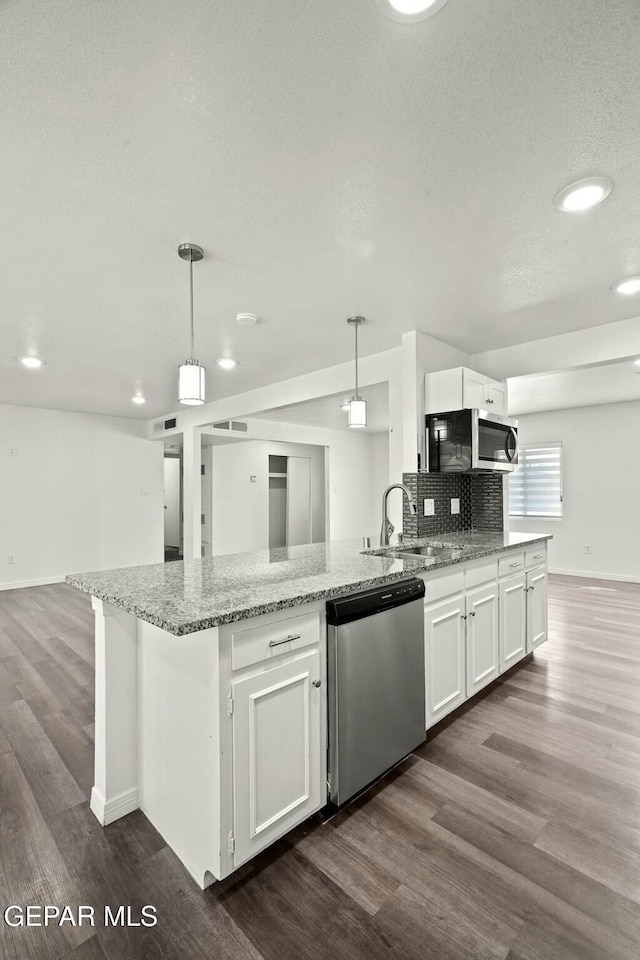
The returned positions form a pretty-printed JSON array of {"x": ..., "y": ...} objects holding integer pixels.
[
  {"x": 516, "y": 564},
  {"x": 538, "y": 556},
  {"x": 276, "y": 643}
]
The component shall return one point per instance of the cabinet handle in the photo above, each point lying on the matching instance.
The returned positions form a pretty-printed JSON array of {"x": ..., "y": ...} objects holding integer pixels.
[
  {"x": 472, "y": 614},
  {"x": 276, "y": 643},
  {"x": 463, "y": 616},
  {"x": 316, "y": 683},
  {"x": 489, "y": 401},
  {"x": 531, "y": 588}
]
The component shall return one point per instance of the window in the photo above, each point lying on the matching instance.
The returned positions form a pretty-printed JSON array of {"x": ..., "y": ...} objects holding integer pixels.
[{"x": 535, "y": 486}]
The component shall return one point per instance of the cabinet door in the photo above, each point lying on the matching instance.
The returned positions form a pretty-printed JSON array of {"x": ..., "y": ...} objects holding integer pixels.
[
  {"x": 483, "y": 637},
  {"x": 474, "y": 390},
  {"x": 444, "y": 637},
  {"x": 277, "y": 752},
  {"x": 496, "y": 396},
  {"x": 443, "y": 390},
  {"x": 513, "y": 622},
  {"x": 536, "y": 608}
]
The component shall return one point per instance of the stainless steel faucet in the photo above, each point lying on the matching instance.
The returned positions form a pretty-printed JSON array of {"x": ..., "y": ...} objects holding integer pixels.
[{"x": 387, "y": 527}]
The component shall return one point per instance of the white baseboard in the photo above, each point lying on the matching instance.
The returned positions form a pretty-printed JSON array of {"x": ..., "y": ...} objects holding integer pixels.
[
  {"x": 590, "y": 575},
  {"x": 106, "y": 811},
  {"x": 18, "y": 584}
]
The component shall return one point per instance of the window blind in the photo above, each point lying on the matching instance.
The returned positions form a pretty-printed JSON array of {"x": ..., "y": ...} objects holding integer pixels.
[{"x": 535, "y": 486}]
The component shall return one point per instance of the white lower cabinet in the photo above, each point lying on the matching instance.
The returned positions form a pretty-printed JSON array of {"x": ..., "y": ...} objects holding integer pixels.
[
  {"x": 536, "y": 608},
  {"x": 444, "y": 637},
  {"x": 277, "y": 751},
  {"x": 495, "y": 614},
  {"x": 513, "y": 621},
  {"x": 483, "y": 637}
]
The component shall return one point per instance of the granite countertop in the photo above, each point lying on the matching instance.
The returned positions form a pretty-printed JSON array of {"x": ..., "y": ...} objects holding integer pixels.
[{"x": 182, "y": 597}]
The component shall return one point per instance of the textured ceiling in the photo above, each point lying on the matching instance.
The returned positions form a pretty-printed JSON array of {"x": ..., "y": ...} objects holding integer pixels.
[{"x": 329, "y": 160}]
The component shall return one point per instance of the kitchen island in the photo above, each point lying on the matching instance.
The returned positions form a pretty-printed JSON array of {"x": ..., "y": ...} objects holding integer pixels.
[{"x": 211, "y": 676}]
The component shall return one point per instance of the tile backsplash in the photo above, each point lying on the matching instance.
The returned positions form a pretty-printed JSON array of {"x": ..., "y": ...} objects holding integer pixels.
[{"x": 480, "y": 496}]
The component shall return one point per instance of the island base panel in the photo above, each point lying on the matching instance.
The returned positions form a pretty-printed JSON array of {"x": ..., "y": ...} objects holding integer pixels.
[{"x": 115, "y": 790}]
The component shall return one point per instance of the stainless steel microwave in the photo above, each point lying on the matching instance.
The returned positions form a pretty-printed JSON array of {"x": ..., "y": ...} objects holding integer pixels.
[{"x": 465, "y": 440}]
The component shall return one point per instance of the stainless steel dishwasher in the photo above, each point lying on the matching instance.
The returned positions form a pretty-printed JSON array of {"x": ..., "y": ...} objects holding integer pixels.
[{"x": 376, "y": 683}]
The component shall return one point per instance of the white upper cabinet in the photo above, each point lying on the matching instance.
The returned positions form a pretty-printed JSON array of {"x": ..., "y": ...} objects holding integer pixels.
[{"x": 461, "y": 388}]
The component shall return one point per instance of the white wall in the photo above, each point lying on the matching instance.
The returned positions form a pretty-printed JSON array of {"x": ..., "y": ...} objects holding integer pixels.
[
  {"x": 601, "y": 479},
  {"x": 354, "y": 494},
  {"x": 70, "y": 497},
  {"x": 240, "y": 511},
  {"x": 356, "y": 474},
  {"x": 379, "y": 444}
]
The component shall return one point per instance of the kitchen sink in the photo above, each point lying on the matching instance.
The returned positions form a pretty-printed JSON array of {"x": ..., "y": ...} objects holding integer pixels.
[{"x": 414, "y": 553}]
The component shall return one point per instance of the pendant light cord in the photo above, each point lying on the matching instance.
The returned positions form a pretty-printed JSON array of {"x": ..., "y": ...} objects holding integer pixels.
[
  {"x": 356, "y": 328},
  {"x": 193, "y": 352}
]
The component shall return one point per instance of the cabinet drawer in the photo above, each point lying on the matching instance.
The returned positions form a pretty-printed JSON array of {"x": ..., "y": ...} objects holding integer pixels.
[
  {"x": 269, "y": 640},
  {"x": 535, "y": 556},
  {"x": 437, "y": 588},
  {"x": 511, "y": 564},
  {"x": 481, "y": 573}
]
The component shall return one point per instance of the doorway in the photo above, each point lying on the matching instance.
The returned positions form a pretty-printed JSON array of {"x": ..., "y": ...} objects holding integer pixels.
[
  {"x": 172, "y": 508},
  {"x": 290, "y": 508},
  {"x": 263, "y": 494}
]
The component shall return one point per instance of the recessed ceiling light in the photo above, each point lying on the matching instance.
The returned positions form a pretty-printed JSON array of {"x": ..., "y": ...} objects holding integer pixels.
[
  {"x": 226, "y": 363},
  {"x": 138, "y": 399},
  {"x": 627, "y": 286},
  {"x": 637, "y": 362},
  {"x": 31, "y": 362},
  {"x": 246, "y": 319},
  {"x": 583, "y": 194},
  {"x": 410, "y": 11}
]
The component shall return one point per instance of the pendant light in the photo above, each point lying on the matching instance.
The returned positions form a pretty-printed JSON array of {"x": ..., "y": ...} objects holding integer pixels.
[
  {"x": 191, "y": 374},
  {"x": 357, "y": 406}
]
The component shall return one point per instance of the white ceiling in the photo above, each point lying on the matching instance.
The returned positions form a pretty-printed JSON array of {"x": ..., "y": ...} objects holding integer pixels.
[
  {"x": 327, "y": 412},
  {"x": 329, "y": 160}
]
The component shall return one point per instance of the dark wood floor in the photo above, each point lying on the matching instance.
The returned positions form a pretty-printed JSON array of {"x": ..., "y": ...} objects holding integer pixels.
[{"x": 514, "y": 833}]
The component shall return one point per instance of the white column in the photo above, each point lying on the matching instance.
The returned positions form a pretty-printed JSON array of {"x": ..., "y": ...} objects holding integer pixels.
[
  {"x": 191, "y": 493},
  {"x": 412, "y": 402},
  {"x": 396, "y": 434},
  {"x": 506, "y": 520},
  {"x": 115, "y": 791}
]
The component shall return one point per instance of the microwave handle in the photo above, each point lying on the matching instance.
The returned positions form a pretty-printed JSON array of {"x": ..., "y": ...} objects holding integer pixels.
[
  {"x": 433, "y": 448},
  {"x": 511, "y": 451},
  {"x": 437, "y": 450}
]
